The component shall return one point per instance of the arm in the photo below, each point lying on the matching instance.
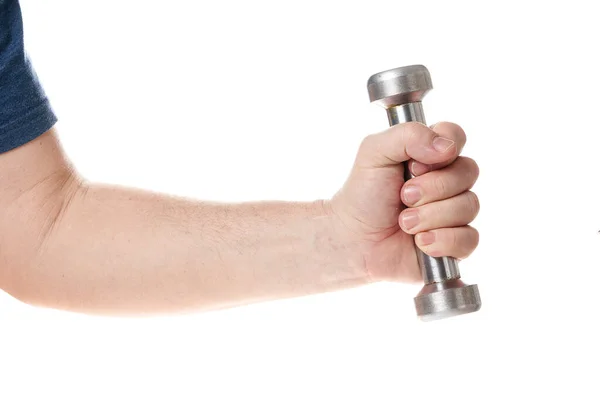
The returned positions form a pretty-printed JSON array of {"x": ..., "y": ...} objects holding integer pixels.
[
  {"x": 107, "y": 249},
  {"x": 92, "y": 248}
]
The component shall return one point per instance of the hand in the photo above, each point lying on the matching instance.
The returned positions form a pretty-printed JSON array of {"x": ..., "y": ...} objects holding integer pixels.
[{"x": 371, "y": 208}]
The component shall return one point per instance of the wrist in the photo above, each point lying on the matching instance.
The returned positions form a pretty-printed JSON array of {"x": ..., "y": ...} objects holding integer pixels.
[{"x": 348, "y": 252}]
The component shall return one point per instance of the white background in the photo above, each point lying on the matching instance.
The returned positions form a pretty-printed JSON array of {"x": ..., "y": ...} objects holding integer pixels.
[{"x": 247, "y": 100}]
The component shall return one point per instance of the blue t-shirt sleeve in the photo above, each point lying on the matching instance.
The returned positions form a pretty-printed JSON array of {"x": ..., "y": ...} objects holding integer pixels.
[{"x": 25, "y": 112}]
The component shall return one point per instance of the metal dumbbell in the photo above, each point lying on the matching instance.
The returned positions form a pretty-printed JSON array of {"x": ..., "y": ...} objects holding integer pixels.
[{"x": 400, "y": 91}]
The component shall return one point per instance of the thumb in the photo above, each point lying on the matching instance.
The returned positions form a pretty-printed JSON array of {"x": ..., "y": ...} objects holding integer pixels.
[{"x": 411, "y": 140}]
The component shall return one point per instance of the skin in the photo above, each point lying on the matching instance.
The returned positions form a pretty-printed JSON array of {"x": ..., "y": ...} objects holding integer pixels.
[{"x": 74, "y": 245}]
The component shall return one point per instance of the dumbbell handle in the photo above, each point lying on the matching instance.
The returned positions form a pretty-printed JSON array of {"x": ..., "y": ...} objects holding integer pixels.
[{"x": 433, "y": 269}]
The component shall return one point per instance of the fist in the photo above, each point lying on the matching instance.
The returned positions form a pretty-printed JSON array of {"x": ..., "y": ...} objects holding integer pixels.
[{"x": 379, "y": 212}]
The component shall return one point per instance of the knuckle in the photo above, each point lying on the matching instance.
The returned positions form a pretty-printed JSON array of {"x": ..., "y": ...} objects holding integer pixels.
[
  {"x": 473, "y": 205},
  {"x": 474, "y": 237},
  {"x": 410, "y": 131},
  {"x": 471, "y": 168},
  {"x": 367, "y": 142},
  {"x": 451, "y": 239},
  {"x": 470, "y": 242},
  {"x": 440, "y": 185},
  {"x": 455, "y": 239}
]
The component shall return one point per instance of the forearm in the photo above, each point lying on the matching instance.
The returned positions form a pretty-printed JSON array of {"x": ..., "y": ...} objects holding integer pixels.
[{"x": 117, "y": 250}]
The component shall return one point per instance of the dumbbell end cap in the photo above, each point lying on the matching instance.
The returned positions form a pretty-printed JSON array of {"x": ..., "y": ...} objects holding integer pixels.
[
  {"x": 399, "y": 85},
  {"x": 448, "y": 299}
]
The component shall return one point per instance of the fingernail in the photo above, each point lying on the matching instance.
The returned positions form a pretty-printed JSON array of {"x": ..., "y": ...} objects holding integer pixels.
[
  {"x": 409, "y": 219},
  {"x": 442, "y": 144},
  {"x": 419, "y": 169},
  {"x": 412, "y": 194},
  {"x": 425, "y": 238}
]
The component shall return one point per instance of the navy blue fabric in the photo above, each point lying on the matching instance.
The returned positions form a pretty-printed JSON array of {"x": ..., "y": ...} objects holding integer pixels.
[{"x": 25, "y": 112}]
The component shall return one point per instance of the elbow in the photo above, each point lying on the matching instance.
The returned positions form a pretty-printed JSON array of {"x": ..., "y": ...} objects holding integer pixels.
[
  {"x": 37, "y": 186},
  {"x": 16, "y": 281},
  {"x": 29, "y": 266},
  {"x": 35, "y": 287}
]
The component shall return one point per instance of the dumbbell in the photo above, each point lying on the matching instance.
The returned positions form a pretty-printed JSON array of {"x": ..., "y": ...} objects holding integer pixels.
[{"x": 401, "y": 91}]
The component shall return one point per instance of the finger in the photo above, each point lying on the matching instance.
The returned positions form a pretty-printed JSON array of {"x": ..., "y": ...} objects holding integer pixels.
[
  {"x": 448, "y": 242},
  {"x": 456, "y": 211},
  {"x": 403, "y": 142},
  {"x": 450, "y": 131},
  {"x": 456, "y": 178}
]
